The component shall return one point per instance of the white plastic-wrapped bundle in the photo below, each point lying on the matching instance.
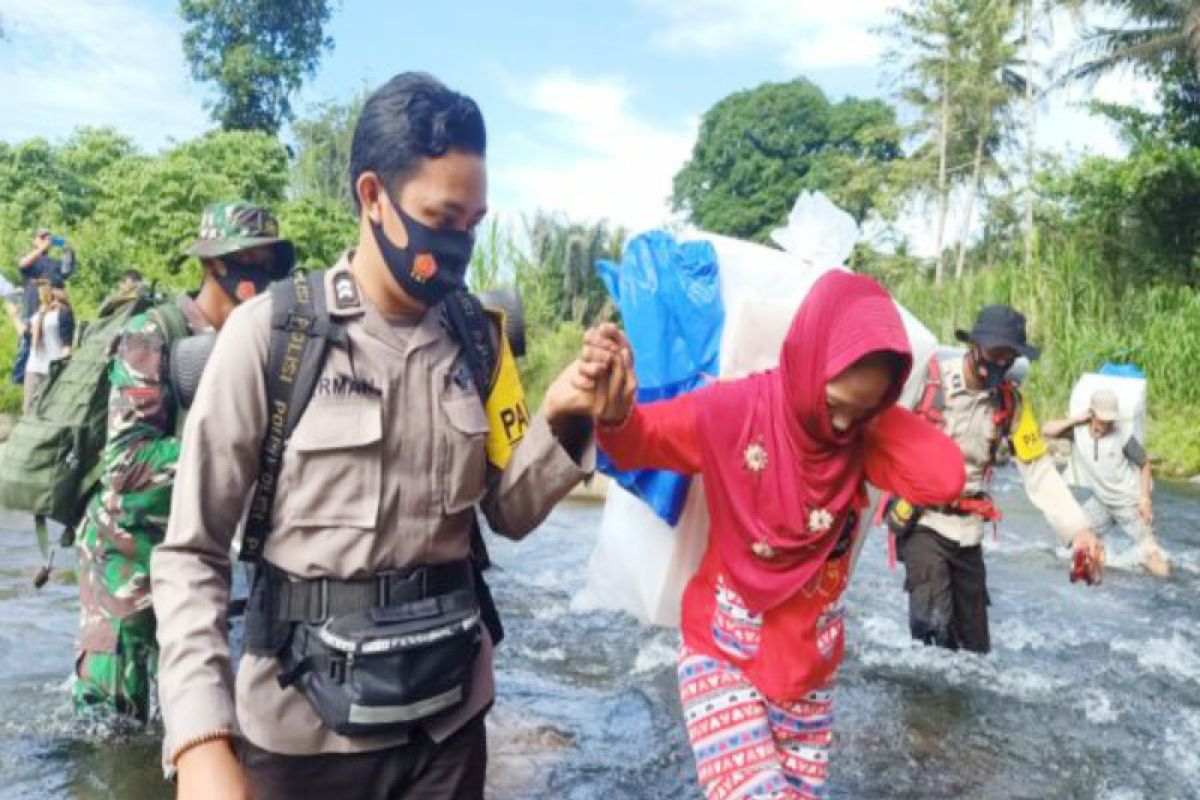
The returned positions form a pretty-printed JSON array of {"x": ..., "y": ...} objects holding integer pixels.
[{"x": 641, "y": 564}]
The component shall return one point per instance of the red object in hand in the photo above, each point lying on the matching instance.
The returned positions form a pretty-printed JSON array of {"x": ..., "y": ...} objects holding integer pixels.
[{"x": 1086, "y": 568}]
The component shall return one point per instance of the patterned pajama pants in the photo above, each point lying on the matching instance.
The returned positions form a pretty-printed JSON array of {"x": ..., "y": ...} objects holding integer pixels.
[{"x": 745, "y": 745}]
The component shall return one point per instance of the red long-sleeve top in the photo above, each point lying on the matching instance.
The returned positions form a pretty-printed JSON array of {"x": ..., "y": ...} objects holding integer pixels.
[{"x": 801, "y": 642}]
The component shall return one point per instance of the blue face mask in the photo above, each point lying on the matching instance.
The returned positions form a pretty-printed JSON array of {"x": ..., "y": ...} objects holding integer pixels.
[{"x": 432, "y": 265}]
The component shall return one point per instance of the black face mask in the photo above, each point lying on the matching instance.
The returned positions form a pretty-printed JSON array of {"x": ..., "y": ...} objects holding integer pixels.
[
  {"x": 990, "y": 372},
  {"x": 434, "y": 263},
  {"x": 242, "y": 281}
]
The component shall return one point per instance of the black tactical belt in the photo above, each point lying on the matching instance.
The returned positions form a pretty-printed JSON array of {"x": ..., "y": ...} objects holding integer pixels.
[{"x": 314, "y": 601}]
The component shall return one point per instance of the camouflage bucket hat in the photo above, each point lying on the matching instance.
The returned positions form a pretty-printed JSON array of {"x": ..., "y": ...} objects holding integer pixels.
[{"x": 237, "y": 225}]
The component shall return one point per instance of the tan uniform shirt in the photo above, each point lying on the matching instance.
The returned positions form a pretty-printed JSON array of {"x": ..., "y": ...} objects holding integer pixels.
[
  {"x": 968, "y": 421},
  {"x": 383, "y": 471}
]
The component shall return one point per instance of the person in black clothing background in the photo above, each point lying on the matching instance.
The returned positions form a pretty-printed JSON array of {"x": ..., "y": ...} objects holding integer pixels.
[{"x": 35, "y": 266}]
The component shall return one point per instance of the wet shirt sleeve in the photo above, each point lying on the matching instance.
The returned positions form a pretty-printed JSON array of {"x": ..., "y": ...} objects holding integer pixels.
[
  {"x": 660, "y": 435},
  {"x": 1047, "y": 489},
  {"x": 218, "y": 465},
  {"x": 1050, "y": 494},
  {"x": 911, "y": 458},
  {"x": 1135, "y": 452}
]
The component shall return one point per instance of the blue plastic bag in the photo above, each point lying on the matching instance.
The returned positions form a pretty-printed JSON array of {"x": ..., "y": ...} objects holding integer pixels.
[{"x": 670, "y": 300}]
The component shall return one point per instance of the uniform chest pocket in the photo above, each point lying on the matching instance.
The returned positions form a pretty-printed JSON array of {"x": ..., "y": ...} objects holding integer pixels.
[
  {"x": 336, "y": 455},
  {"x": 462, "y": 467}
]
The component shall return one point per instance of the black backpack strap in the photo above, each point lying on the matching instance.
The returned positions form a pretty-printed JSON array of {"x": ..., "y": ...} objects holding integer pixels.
[
  {"x": 472, "y": 328},
  {"x": 470, "y": 325},
  {"x": 301, "y": 331}
]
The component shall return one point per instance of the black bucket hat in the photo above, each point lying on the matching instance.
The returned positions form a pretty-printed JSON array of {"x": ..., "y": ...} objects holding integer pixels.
[{"x": 999, "y": 326}]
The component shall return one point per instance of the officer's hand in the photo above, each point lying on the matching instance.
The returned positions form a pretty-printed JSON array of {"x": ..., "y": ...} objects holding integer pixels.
[
  {"x": 1089, "y": 543},
  {"x": 212, "y": 770},
  {"x": 572, "y": 394}
]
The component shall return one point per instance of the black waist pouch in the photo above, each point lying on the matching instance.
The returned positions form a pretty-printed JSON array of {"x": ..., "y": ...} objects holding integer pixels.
[{"x": 384, "y": 669}]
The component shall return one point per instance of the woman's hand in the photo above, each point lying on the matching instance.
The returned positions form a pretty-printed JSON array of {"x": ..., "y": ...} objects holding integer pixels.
[{"x": 608, "y": 357}]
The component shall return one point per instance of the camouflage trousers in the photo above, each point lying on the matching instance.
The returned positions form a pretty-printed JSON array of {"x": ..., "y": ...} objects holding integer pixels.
[{"x": 117, "y": 654}]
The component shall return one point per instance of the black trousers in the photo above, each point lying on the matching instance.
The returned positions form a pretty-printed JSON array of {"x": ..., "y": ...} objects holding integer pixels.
[
  {"x": 422, "y": 769},
  {"x": 947, "y": 591}
]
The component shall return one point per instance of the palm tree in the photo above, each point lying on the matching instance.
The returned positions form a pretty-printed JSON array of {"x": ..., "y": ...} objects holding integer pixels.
[
  {"x": 992, "y": 86},
  {"x": 929, "y": 47},
  {"x": 1159, "y": 36},
  {"x": 563, "y": 256}
]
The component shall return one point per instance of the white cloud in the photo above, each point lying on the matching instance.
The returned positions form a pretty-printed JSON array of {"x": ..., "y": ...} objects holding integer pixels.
[
  {"x": 801, "y": 34},
  {"x": 588, "y": 154},
  {"x": 82, "y": 62},
  {"x": 818, "y": 34}
]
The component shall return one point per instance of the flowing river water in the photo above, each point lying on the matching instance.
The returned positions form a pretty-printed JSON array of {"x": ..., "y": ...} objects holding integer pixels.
[{"x": 1089, "y": 693}]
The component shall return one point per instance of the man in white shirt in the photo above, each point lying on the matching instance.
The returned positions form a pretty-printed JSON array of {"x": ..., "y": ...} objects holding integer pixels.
[{"x": 1113, "y": 465}]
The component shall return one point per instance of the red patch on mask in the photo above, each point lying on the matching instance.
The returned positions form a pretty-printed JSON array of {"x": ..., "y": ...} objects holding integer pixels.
[
  {"x": 424, "y": 267},
  {"x": 246, "y": 290}
]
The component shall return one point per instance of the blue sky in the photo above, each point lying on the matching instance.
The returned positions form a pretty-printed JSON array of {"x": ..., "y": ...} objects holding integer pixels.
[{"x": 592, "y": 105}]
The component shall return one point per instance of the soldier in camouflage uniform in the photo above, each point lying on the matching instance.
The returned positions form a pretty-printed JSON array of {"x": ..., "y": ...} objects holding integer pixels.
[{"x": 117, "y": 656}]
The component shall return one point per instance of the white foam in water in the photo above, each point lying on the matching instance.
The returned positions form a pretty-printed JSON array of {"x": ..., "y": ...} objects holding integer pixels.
[
  {"x": 1181, "y": 750},
  {"x": 658, "y": 653},
  {"x": 1011, "y": 542},
  {"x": 1174, "y": 656},
  {"x": 1187, "y": 561},
  {"x": 886, "y": 643},
  {"x": 885, "y": 631},
  {"x": 550, "y": 612},
  {"x": 1097, "y": 707},
  {"x": 1015, "y": 635},
  {"x": 1122, "y": 794},
  {"x": 543, "y": 654}
]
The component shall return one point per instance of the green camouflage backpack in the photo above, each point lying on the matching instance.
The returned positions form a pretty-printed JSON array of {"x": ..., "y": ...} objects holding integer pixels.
[{"x": 51, "y": 464}]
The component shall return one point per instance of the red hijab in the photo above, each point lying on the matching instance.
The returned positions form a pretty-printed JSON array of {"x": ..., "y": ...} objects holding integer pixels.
[{"x": 777, "y": 475}]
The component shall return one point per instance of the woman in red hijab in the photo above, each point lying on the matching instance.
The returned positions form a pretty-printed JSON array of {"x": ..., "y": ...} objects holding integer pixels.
[{"x": 784, "y": 455}]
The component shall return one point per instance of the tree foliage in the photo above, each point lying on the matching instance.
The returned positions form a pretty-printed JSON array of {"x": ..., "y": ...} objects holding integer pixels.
[
  {"x": 560, "y": 265},
  {"x": 322, "y": 165},
  {"x": 758, "y": 149},
  {"x": 1136, "y": 215},
  {"x": 1158, "y": 37},
  {"x": 120, "y": 208},
  {"x": 257, "y": 52}
]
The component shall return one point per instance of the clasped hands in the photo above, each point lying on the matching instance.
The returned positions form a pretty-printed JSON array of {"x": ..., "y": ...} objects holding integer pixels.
[{"x": 599, "y": 383}]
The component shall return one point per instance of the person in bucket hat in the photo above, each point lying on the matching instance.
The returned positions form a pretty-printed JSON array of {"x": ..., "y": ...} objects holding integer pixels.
[
  {"x": 239, "y": 244},
  {"x": 974, "y": 398},
  {"x": 116, "y": 653}
]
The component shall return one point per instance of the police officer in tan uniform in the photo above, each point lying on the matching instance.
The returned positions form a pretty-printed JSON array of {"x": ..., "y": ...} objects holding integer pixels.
[
  {"x": 373, "y": 510},
  {"x": 972, "y": 400}
]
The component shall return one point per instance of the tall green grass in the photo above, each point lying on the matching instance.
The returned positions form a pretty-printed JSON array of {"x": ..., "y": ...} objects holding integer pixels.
[{"x": 1081, "y": 319}]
